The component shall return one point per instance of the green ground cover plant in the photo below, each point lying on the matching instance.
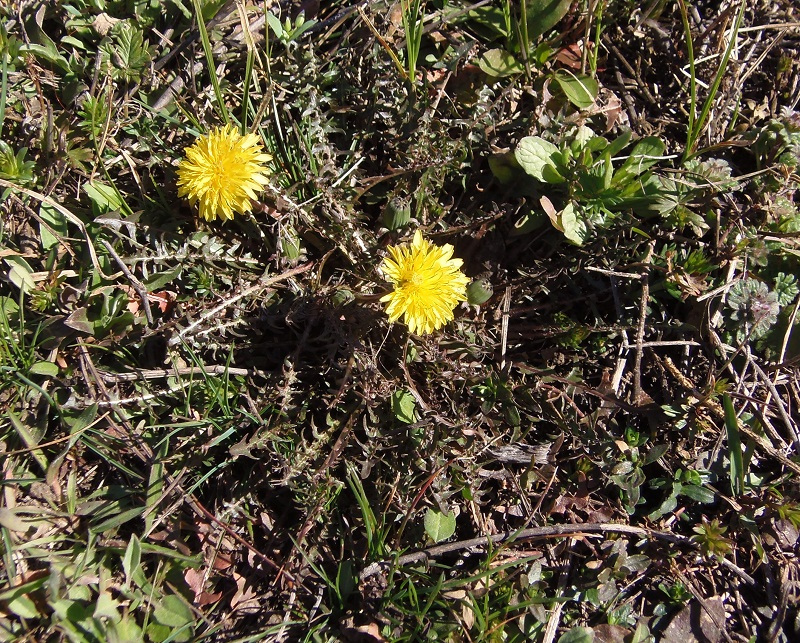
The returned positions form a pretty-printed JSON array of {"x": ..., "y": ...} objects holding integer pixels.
[{"x": 427, "y": 320}]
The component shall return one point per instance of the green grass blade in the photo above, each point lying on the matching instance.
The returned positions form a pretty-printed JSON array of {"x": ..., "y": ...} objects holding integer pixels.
[
  {"x": 29, "y": 439},
  {"x": 212, "y": 70},
  {"x": 697, "y": 126},
  {"x": 734, "y": 446}
]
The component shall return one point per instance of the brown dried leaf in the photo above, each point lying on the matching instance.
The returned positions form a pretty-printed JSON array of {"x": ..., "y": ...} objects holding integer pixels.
[
  {"x": 368, "y": 632},
  {"x": 610, "y": 633},
  {"x": 697, "y": 623},
  {"x": 245, "y": 596}
]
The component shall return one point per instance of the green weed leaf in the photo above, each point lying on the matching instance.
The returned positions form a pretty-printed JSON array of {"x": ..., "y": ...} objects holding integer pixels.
[
  {"x": 439, "y": 526},
  {"x": 641, "y": 634},
  {"x": 786, "y": 288},
  {"x": 172, "y": 620},
  {"x": 125, "y": 631},
  {"x": 23, "y": 607},
  {"x": 543, "y": 15},
  {"x": 173, "y": 612},
  {"x": 505, "y": 167},
  {"x": 13, "y": 166},
  {"x": 107, "y": 607},
  {"x": 700, "y": 494},
  {"x": 577, "y": 635},
  {"x": 20, "y": 273},
  {"x": 104, "y": 197},
  {"x": 571, "y": 224},
  {"x": 490, "y": 22},
  {"x": 534, "y": 154},
  {"x": 132, "y": 558},
  {"x": 404, "y": 407},
  {"x": 499, "y": 63},
  {"x": 127, "y": 55},
  {"x": 10, "y": 519},
  {"x": 52, "y": 227},
  {"x": 41, "y": 45},
  {"x": 29, "y": 437},
  {"x": 581, "y": 90},
  {"x": 646, "y": 153},
  {"x": 44, "y": 368},
  {"x": 158, "y": 280}
]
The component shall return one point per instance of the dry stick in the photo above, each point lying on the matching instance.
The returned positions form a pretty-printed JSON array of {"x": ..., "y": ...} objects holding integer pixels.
[
  {"x": 637, "y": 364},
  {"x": 757, "y": 64},
  {"x": 677, "y": 342},
  {"x": 524, "y": 534},
  {"x": 739, "y": 379},
  {"x": 411, "y": 386},
  {"x": 787, "y": 588},
  {"x": 161, "y": 373},
  {"x": 138, "y": 286},
  {"x": 787, "y": 335},
  {"x": 327, "y": 465},
  {"x": 552, "y": 623},
  {"x": 68, "y": 216},
  {"x": 778, "y": 402},
  {"x": 544, "y": 532},
  {"x": 426, "y": 485},
  {"x": 261, "y": 285},
  {"x": 383, "y": 44},
  {"x": 65, "y": 438},
  {"x": 506, "y": 305},
  {"x": 615, "y": 273}
]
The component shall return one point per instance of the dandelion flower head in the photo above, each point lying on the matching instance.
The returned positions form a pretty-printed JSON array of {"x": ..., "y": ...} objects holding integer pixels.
[
  {"x": 222, "y": 172},
  {"x": 428, "y": 284}
]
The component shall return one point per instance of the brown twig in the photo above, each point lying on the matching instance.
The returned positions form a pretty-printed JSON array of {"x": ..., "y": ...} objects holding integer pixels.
[
  {"x": 551, "y": 531},
  {"x": 523, "y": 534},
  {"x": 637, "y": 364},
  {"x": 161, "y": 373}
]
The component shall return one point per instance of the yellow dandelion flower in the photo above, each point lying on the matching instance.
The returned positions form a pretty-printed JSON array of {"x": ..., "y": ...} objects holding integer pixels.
[
  {"x": 222, "y": 172},
  {"x": 428, "y": 284}
]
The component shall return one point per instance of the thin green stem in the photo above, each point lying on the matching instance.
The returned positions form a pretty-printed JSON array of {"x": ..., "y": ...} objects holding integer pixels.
[
  {"x": 248, "y": 72},
  {"x": 3, "y": 88},
  {"x": 598, "y": 32},
  {"x": 687, "y": 32},
  {"x": 524, "y": 38},
  {"x": 212, "y": 71},
  {"x": 412, "y": 25},
  {"x": 248, "y": 75}
]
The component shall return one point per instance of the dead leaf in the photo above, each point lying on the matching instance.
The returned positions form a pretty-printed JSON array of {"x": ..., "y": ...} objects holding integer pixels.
[
  {"x": 786, "y": 533},
  {"x": 368, "y": 632},
  {"x": 103, "y": 23},
  {"x": 694, "y": 623},
  {"x": 164, "y": 300},
  {"x": 551, "y": 212},
  {"x": 195, "y": 579},
  {"x": 570, "y": 56},
  {"x": 613, "y": 110},
  {"x": 245, "y": 596},
  {"x": 610, "y": 633}
]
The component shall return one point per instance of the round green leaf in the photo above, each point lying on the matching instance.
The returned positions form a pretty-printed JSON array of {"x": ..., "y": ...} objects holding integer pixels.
[{"x": 439, "y": 526}]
